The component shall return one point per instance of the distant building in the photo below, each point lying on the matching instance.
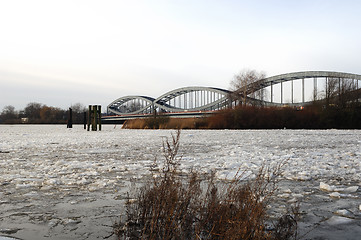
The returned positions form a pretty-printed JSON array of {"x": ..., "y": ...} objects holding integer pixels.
[{"x": 24, "y": 120}]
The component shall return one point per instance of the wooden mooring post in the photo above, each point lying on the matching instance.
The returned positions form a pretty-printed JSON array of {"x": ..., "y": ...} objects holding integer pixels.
[
  {"x": 70, "y": 119},
  {"x": 84, "y": 120},
  {"x": 100, "y": 117},
  {"x": 94, "y": 117}
]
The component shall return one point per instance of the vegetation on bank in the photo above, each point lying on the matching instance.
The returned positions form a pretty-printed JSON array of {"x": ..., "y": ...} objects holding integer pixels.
[
  {"x": 257, "y": 117},
  {"x": 198, "y": 206},
  {"x": 163, "y": 122},
  {"x": 35, "y": 113},
  {"x": 311, "y": 117},
  {"x": 242, "y": 117}
]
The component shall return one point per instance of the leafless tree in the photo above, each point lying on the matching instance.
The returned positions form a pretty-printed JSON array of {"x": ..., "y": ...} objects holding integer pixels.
[
  {"x": 78, "y": 108},
  {"x": 78, "y": 112},
  {"x": 8, "y": 113},
  {"x": 32, "y": 110},
  {"x": 247, "y": 82},
  {"x": 9, "y": 109},
  {"x": 339, "y": 91}
]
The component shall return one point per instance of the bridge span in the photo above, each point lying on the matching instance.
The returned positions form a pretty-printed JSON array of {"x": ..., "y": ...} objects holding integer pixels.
[{"x": 292, "y": 89}]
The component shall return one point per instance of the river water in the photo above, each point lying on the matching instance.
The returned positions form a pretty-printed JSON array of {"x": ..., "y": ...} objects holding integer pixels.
[{"x": 59, "y": 183}]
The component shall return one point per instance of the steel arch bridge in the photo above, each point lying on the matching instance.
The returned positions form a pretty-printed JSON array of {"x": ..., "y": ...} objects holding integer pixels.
[
  {"x": 340, "y": 81},
  {"x": 194, "y": 101},
  {"x": 182, "y": 100}
]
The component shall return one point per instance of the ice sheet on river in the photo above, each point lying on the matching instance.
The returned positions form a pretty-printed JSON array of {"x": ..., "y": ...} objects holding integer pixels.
[{"x": 44, "y": 166}]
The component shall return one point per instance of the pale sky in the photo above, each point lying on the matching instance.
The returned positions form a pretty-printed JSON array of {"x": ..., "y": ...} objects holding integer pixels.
[{"x": 92, "y": 52}]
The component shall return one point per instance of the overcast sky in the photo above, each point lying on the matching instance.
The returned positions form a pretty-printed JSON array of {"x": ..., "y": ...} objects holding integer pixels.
[{"x": 92, "y": 52}]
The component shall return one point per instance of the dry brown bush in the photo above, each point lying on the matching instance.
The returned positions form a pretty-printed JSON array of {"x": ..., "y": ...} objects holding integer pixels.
[
  {"x": 197, "y": 206},
  {"x": 166, "y": 123},
  {"x": 134, "y": 124}
]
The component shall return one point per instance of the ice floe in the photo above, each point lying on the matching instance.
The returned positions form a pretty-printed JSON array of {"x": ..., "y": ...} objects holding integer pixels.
[
  {"x": 339, "y": 189},
  {"x": 338, "y": 220},
  {"x": 50, "y": 163},
  {"x": 344, "y": 213}
]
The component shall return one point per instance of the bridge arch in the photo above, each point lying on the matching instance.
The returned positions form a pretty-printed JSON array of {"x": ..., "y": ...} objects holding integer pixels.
[
  {"x": 131, "y": 105},
  {"x": 193, "y": 99},
  {"x": 354, "y": 79},
  {"x": 178, "y": 100}
]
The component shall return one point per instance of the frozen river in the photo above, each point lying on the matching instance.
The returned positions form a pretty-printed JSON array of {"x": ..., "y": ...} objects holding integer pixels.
[{"x": 59, "y": 183}]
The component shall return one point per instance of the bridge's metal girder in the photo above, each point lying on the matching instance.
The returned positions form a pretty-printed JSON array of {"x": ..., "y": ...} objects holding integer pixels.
[
  {"x": 180, "y": 91},
  {"x": 263, "y": 83},
  {"x": 163, "y": 99},
  {"x": 112, "y": 107},
  {"x": 161, "y": 102}
]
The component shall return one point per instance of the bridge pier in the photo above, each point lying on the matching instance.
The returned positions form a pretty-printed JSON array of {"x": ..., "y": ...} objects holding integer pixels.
[
  {"x": 281, "y": 93},
  {"x": 292, "y": 91},
  {"x": 339, "y": 89},
  {"x": 358, "y": 92},
  {"x": 303, "y": 90}
]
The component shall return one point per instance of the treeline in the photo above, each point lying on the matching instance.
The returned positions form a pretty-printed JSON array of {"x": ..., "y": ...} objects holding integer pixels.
[
  {"x": 36, "y": 113},
  {"x": 256, "y": 117}
]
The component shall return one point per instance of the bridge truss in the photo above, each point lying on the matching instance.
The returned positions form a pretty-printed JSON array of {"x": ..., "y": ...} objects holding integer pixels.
[
  {"x": 320, "y": 85},
  {"x": 188, "y": 99},
  {"x": 299, "y": 88}
]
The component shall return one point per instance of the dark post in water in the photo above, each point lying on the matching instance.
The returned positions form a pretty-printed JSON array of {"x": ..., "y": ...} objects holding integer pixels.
[
  {"x": 84, "y": 120},
  {"x": 89, "y": 116},
  {"x": 100, "y": 117},
  {"x": 94, "y": 117},
  {"x": 70, "y": 119}
]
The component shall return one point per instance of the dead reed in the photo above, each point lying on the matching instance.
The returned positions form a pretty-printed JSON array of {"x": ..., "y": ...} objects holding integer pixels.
[
  {"x": 166, "y": 123},
  {"x": 198, "y": 206}
]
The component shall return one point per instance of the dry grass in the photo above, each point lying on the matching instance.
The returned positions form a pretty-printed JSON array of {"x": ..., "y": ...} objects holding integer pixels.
[
  {"x": 134, "y": 124},
  {"x": 252, "y": 117},
  {"x": 165, "y": 123},
  {"x": 196, "y": 206}
]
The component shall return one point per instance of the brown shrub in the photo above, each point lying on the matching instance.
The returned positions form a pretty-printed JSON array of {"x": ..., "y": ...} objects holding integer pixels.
[
  {"x": 135, "y": 124},
  {"x": 166, "y": 123},
  {"x": 197, "y": 206},
  {"x": 251, "y": 117}
]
